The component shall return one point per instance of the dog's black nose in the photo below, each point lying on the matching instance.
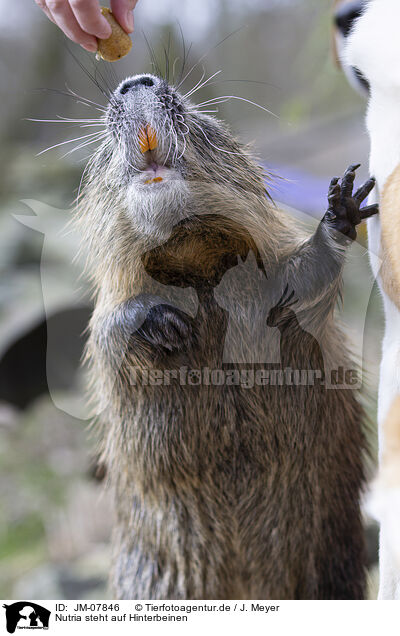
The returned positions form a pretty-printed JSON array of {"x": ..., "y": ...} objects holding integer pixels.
[
  {"x": 347, "y": 14},
  {"x": 143, "y": 80}
]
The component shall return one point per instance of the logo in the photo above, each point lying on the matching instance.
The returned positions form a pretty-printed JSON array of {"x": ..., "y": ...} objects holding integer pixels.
[{"x": 26, "y": 615}]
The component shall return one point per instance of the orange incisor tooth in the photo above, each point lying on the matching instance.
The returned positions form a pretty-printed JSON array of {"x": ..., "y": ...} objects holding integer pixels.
[
  {"x": 155, "y": 180},
  {"x": 147, "y": 139}
]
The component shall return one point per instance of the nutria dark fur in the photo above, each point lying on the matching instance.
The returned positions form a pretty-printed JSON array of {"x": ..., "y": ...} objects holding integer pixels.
[{"x": 222, "y": 491}]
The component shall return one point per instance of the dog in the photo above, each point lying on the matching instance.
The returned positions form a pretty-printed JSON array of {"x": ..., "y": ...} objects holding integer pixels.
[{"x": 370, "y": 54}]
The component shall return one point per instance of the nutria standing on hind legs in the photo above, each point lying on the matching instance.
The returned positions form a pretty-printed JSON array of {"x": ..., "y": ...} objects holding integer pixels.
[{"x": 222, "y": 490}]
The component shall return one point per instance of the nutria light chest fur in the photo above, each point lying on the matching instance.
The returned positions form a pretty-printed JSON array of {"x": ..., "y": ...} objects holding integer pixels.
[{"x": 223, "y": 488}]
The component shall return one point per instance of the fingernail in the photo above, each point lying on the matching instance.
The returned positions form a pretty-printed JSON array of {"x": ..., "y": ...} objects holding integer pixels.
[
  {"x": 129, "y": 21},
  {"x": 92, "y": 48},
  {"x": 105, "y": 31}
]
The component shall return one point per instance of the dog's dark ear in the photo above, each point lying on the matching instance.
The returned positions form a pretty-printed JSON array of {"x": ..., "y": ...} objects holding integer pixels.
[{"x": 345, "y": 13}]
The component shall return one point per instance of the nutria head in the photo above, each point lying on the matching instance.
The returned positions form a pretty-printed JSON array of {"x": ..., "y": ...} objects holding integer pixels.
[
  {"x": 164, "y": 161},
  {"x": 162, "y": 154}
]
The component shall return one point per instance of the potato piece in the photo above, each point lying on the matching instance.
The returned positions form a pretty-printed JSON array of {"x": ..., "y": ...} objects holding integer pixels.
[{"x": 118, "y": 44}]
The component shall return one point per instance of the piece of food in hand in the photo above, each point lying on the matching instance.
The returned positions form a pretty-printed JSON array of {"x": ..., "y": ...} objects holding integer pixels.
[{"x": 118, "y": 44}]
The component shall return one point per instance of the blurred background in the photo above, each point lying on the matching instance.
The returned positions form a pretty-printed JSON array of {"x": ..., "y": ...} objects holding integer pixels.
[{"x": 55, "y": 516}]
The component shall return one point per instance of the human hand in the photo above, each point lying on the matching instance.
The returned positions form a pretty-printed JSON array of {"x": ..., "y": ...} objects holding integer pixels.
[{"x": 82, "y": 21}]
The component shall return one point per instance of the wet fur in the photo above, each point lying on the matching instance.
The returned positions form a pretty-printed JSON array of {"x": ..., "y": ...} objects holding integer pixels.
[{"x": 220, "y": 491}]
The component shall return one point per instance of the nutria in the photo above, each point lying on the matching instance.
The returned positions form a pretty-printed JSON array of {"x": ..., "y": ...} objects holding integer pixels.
[{"x": 223, "y": 489}]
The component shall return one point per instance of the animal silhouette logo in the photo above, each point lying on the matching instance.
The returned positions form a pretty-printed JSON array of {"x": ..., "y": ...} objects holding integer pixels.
[{"x": 26, "y": 615}]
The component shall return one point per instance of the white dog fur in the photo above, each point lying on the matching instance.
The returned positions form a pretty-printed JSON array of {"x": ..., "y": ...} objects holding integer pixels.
[{"x": 374, "y": 48}]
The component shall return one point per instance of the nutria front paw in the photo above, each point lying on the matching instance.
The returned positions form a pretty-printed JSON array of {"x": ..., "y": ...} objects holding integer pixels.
[
  {"x": 344, "y": 213},
  {"x": 167, "y": 328}
]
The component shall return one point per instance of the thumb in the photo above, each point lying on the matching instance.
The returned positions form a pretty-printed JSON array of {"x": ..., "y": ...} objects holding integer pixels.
[{"x": 122, "y": 10}]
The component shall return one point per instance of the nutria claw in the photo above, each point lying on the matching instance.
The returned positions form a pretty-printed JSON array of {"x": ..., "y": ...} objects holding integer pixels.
[{"x": 344, "y": 212}]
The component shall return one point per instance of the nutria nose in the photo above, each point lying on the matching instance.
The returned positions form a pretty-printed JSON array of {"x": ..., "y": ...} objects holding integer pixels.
[{"x": 143, "y": 80}]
